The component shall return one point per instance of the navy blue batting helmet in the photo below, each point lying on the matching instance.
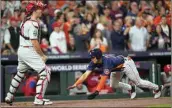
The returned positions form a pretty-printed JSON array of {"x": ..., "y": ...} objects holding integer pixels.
[{"x": 96, "y": 53}]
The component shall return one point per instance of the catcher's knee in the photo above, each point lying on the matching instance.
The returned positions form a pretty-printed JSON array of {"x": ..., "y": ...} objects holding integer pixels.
[{"x": 45, "y": 74}]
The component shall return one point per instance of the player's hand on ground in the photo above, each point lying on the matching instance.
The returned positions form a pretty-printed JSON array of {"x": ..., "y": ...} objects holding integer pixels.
[
  {"x": 44, "y": 58},
  {"x": 71, "y": 87},
  {"x": 93, "y": 95}
]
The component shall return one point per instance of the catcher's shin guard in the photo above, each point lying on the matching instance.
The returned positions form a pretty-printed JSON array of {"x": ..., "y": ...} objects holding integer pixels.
[
  {"x": 15, "y": 84},
  {"x": 42, "y": 82}
]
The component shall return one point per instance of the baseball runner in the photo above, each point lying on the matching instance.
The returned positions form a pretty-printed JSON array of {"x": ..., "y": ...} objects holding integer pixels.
[
  {"x": 108, "y": 64},
  {"x": 30, "y": 55}
]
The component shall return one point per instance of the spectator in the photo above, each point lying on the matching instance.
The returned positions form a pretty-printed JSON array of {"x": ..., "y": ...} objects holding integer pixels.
[
  {"x": 48, "y": 15},
  {"x": 82, "y": 18},
  {"x": 133, "y": 10},
  {"x": 22, "y": 16},
  {"x": 44, "y": 29},
  {"x": 124, "y": 7},
  {"x": 115, "y": 12},
  {"x": 117, "y": 37},
  {"x": 91, "y": 3},
  {"x": 159, "y": 4},
  {"x": 151, "y": 34},
  {"x": 99, "y": 41},
  {"x": 72, "y": 5},
  {"x": 23, "y": 5},
  {"x": 16, "y": 15},
  {"x": 88, "y": 20},
  {"x": 76, "y": 31},
  {"x": 106, "y": 14},
  {"x": 59, "y": 16},
  {"x": 138, "y": 37},
  {"x": 82, "y": 11},
  {"x": 100, "y": 7},
  {"x": 68, "y": 25},
  {"x": 3, "y": 8},
  {"x": 157, "y": 19},
  {"x": 149, "y": 21},
  {"x": 3, "y": 28},
  {"x": 72, "y": 44},
  {"x": 11, "y": 37},
  {"x": 11, "y": 5},
  {"x": 77, "y": 25},
  {"x": 105, "y": 24},
  {"x": 165, "y": 28},
  {"x": 169, "y": 17},
  {"x": 57, "y": 39},
  {"x": 44, "y": 46},
  {"x": 166, "y": 77},
  {"x": 128, "y": 23},
  {"x": 160, "y": 40},
  {"x": 95, "y": 13},
  {"x": 153, "y": 9},
  {"x": 82, "y": 37},
  {"x": 60, "y": 4}
]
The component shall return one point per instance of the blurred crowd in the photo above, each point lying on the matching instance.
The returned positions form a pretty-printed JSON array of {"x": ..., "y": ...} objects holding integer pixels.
[{"x": 78, "y": 26}]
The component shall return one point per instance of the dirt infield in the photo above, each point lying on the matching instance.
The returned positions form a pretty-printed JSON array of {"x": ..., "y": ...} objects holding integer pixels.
[{"x": 139, "y": 102}]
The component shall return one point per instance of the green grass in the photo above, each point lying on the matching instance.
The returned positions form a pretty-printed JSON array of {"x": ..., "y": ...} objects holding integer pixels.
[{"x": 160, "y": 105}]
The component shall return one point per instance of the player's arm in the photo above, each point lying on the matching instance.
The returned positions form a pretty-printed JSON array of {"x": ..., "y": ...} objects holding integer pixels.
[
  {"x": 81, "y": 79},
  {"x": 33, "y": 33},
  {"x": 37, "y": 47},
  {"x": 101, "y": 84},
  {"x": 99, "y": 87}
]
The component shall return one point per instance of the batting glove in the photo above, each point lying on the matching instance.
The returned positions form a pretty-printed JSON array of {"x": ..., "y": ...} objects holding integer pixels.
[{"x": 93, "y": 95}]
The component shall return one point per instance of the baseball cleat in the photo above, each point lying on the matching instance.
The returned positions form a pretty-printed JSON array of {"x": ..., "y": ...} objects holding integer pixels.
[
  {"x": 46, "y": 99},
  {"x": 158, "y": 92},
  {"x": 133, "y": 92},
  {"x": 42, "y": 102},
  {"x": 8, "y": 101}
]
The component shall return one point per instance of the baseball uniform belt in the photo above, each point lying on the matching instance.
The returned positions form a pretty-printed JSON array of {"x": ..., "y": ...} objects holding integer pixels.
[{"x": 26, "y": 46}]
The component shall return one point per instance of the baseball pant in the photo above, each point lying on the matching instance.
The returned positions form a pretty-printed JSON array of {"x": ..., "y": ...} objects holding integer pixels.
[
  {"x": 29, "y": 59},
  {"x": 132, "y": 73}
]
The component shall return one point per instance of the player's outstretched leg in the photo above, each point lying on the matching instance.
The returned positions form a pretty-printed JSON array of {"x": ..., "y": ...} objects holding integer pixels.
[
  {"x": 41, "y": 87},
  {"x": 14, "y": 86},
  {"x": 132, "y": 73},
  {"x": 114, "y": 83}
]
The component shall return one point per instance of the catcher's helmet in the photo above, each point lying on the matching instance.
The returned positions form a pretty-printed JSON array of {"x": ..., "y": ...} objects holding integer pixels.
[
  {"x": 167, "y": 68},
  {"x": 32, "y": 6},
  {"x": 96, "y": 53}
]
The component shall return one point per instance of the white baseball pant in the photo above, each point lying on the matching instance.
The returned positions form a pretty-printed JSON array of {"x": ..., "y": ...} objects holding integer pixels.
[
  {"x": 132, "y": 73},
  {"x": 29, "y": 59}
]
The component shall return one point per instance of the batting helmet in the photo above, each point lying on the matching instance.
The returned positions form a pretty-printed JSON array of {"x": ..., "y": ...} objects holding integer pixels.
[
  {"x": 167, "y": 68},
  {"x": 96, "y": 53},
  {"x": 32, "y": 6}
]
